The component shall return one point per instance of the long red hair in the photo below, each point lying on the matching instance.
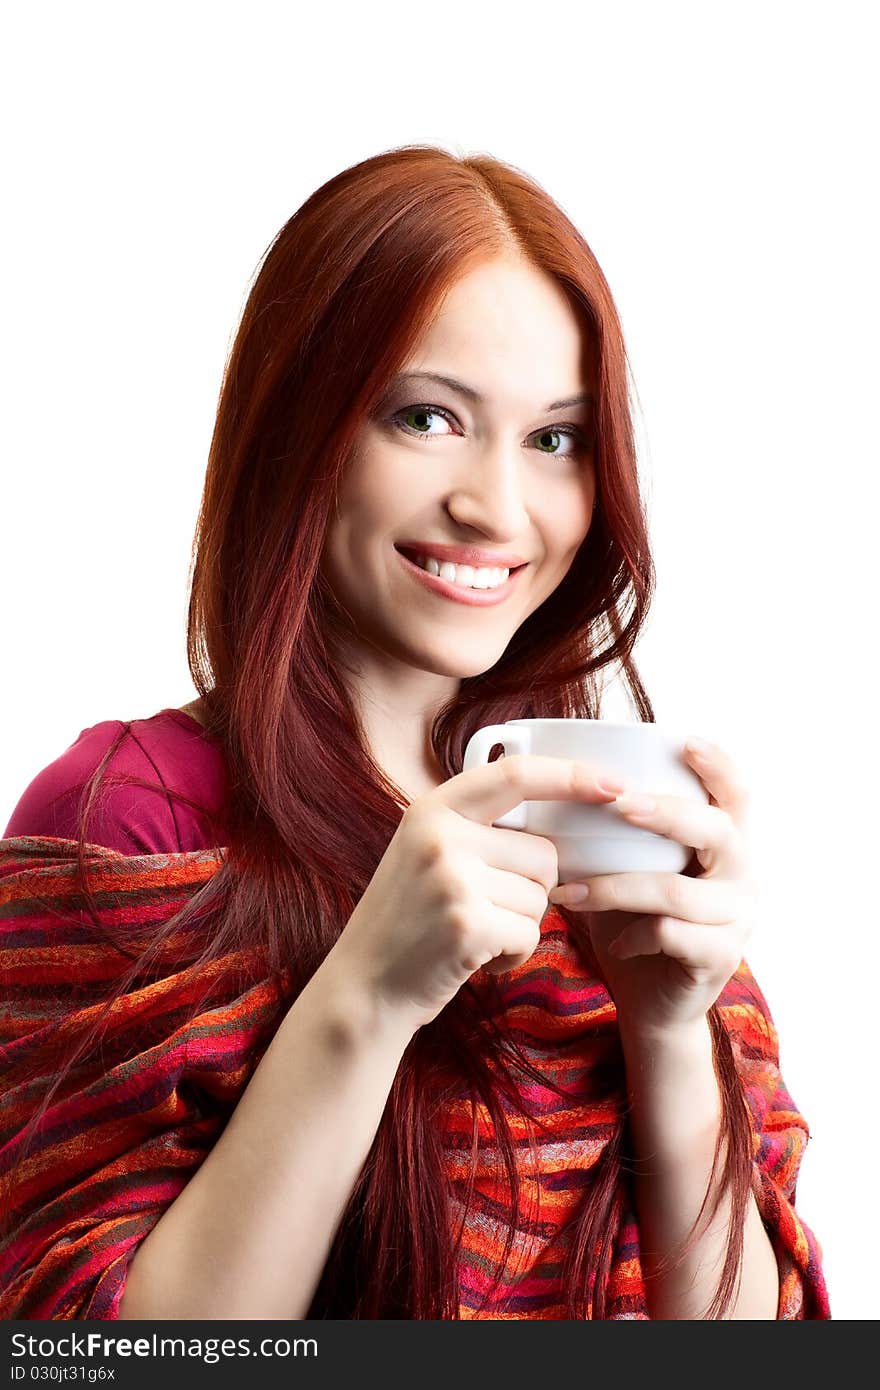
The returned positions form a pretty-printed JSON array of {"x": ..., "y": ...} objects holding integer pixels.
[{"x": 343, "y": 294}]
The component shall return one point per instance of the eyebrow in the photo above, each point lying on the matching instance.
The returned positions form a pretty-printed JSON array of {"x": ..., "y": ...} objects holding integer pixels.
[{"x": 585, "y": 398}]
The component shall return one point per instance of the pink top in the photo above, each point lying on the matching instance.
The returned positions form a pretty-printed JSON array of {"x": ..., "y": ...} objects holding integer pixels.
[{"x": 170, "y": 749}]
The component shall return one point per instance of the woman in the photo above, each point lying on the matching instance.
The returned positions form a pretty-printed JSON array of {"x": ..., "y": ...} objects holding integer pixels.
[{"x": 365, "y": 1069}]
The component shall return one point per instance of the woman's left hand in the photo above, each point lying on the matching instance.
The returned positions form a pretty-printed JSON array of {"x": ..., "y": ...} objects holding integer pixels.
[{"x": 669, "y": 943}]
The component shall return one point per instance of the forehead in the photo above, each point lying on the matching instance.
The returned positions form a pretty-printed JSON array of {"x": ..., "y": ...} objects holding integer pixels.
[{"x": 508, "y": 328}]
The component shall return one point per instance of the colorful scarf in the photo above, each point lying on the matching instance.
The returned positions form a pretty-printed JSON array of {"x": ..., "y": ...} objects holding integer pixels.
[{"x": 119, "y": 1142}]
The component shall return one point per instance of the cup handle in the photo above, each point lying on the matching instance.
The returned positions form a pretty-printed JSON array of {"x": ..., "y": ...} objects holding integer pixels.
[{"x": 515, "y": 739}]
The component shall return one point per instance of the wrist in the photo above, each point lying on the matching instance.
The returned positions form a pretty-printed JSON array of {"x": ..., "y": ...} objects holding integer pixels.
[
  {"x": 357, "y": 1009},
  {"x": 675, "y": 1104},
  {"x": 680, "y": 1040}
]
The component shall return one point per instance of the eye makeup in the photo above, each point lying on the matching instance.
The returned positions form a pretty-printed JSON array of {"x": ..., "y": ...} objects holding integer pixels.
[{"x": 580, "y": 435}]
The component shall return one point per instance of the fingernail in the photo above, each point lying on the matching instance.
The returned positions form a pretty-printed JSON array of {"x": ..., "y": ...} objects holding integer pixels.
[
  {"x": 570, "y": 894},
  {"x": 699, "y": 746},
  {"x": 610, "y": 784},
  {"x": 635, "y": 805}
]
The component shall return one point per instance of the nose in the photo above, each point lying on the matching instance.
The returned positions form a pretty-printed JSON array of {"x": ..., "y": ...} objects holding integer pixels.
[{"x": 488, "y": 496}]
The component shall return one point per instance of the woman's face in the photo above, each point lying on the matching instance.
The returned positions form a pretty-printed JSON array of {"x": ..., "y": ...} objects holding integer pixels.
[{"x": 499, "y": 467}]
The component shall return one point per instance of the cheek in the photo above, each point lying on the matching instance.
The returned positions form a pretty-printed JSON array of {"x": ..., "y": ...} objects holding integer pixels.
[
  {"x": 377, "y": 504},
  {"x": 582, "y": 513},
  {"x": 361, "y": 515},
  {"x": 566, "y": 520},
  {"x": 353, "y": 559}
]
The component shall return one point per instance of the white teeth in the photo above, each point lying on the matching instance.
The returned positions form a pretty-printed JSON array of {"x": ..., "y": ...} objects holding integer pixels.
[{"x": 465, "y": 575}]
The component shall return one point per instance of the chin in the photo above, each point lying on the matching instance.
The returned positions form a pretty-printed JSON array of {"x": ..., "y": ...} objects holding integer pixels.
[{"x": 456, "y": 667}]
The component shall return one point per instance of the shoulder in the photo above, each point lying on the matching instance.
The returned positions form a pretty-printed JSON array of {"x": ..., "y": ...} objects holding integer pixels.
[{"x": 152, "y": 769}]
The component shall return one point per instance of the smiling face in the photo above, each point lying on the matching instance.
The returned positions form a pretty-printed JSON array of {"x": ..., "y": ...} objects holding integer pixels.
[{"x": 502, "y": 464}]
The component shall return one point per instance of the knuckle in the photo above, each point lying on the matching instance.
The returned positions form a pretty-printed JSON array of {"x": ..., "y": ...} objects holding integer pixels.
[
  {"x": 582, "y": 777},
  {"x": 514, "y": 770},
  {"x": 455, "y": 890},
  {"x": 677, "y": 893},
  {"x": 432, "y": 849},
  {"x": 460, "y": 922},
  {"x": 431, "y": 836},
  {"x": 539, "y": 896},
  {"x": 604, "y": 891},
  {"x": 548, "y": 863},
  {"x": 664, "y": 931},
  {"x": 434, "y": 845},
  {"x": 450, "y": 877}
]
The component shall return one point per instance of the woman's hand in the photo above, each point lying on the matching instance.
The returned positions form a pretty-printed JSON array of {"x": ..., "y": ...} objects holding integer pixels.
[
  {"x": 454, "y": 892},
  {"x": 669, "y": 943}
]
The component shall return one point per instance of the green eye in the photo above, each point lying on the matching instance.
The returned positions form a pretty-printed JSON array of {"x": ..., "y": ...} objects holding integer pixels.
[
  {"x": 548, "y": 434},
  {"x": 414, "y": 420},
  {"x": 420, "y": 414}
]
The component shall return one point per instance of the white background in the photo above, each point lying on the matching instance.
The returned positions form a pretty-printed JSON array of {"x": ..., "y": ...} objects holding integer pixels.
[{"x": 721, "y": 162}]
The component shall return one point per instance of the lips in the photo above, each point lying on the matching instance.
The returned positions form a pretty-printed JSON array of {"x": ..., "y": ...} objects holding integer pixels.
[
  {"x": 460, "y": 556},
  {"x": 445, "y": 589}
]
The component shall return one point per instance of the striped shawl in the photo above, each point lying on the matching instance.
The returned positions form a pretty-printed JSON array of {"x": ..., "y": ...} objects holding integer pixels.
[{"x": 120, "y": 1140}]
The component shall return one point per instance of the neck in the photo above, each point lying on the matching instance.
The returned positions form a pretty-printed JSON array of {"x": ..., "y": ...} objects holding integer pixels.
[{"x": 396, "y": 716}]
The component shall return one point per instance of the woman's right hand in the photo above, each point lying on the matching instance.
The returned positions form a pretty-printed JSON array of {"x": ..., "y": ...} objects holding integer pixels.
[{"x": 453, "y": 892}]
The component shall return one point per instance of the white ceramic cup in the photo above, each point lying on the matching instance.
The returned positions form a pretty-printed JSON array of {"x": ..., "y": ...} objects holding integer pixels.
[{"x": 594, "y": 839}]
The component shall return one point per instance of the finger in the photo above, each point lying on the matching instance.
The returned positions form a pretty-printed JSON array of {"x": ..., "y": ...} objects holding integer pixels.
[
  {"x": 720, "y": 776},
  {"x": 515, "y": 891},
  {"x": 487, "y": 792},
  {"x": 715, "y": 901},
  {"x": 513, "y": 937},
  {"x": 707, "y": 829},
  {"x": 520, "y": 853},
  {"x": 695, "y": 945}
]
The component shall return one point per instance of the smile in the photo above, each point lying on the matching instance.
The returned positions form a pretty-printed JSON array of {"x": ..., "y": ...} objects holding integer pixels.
[{"x": 448, "y": 588}]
